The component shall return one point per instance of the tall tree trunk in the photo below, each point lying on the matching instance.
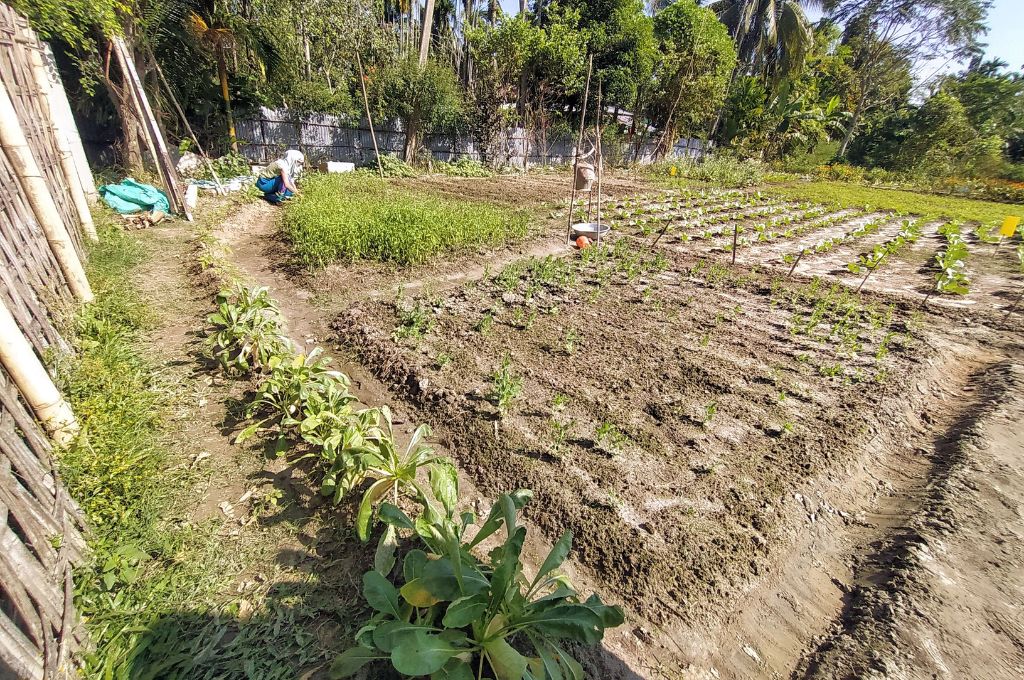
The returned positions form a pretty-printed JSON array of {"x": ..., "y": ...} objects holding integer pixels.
[
  {"x": 492, "y": 11},
  {"x": 854, "y": 120},
  {"x": 222, "y": 72},
  {"x": 305, "y": 49},
  {"x": 411, "y": 141},
  {"x": 467, "y": 73},
  {"x": 522, "y": 8},
  {"x": 428, "y": 24}
]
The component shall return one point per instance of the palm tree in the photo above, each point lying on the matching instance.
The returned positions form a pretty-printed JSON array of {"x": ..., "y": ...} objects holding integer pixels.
[
  {"x": 773, "y": 37},
  {"x": 220, "y": 30}
]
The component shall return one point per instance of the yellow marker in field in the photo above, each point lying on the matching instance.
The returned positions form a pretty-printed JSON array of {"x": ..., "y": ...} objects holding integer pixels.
[
  {"x": 1009, "y": 226},
  {"x": 672, "y": 171}
]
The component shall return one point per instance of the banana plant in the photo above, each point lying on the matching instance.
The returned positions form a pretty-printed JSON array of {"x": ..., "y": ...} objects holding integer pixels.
[{"x": 454, "y": 616}]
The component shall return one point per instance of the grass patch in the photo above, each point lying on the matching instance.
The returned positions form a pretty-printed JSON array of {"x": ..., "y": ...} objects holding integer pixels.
[
  {"x": 927, "y": 205},
  {"x": 158, "y": 592},
  {"x": 357, "y": 217}
]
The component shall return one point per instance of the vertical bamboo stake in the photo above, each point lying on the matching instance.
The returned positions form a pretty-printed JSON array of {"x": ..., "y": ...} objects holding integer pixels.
[
  {"x": 600, "y": 160},
  {"x": 735, "y": 236},
  {"x": 67, "y": 162},
  {"x": 579, "y": 143},
  {"x": 184, "y": 120},
  {"x": 33, "y": 381},
  {"x": 12, "y": 139},
  {"x": 369, "y": 118},
  {"x": 66, "y": 121}
]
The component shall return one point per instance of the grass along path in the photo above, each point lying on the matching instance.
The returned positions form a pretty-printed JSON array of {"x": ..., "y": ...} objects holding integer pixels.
[{"x": 199, "y": 567}]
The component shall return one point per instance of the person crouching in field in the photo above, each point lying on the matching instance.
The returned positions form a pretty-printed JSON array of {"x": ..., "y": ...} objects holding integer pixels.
[{"x": 277, "y": 180}]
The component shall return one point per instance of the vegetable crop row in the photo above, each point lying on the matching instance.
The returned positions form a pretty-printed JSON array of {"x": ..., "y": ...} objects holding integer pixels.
[{"x": 454, "y": 614}]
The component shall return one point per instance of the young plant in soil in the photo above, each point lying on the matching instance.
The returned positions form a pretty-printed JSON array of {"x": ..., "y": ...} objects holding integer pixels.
[
  {"x": 951, "y": 278},
  {"x": 457, "y": 616},
  {"x": 414, "y": 320},
  {"x": 246, "y": 330},
  {"x": 610, "y": 437},
  {"x": 708, "y": 414},
  {"x": 505, "y": 386}
]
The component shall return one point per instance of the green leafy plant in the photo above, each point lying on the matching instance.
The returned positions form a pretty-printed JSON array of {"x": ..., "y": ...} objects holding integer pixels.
[
  {"x": 610, "y": 437},
  {"x": 456, "y": 616},
  {"x": 505, "y": 385},
  {"x": 415, "y": 320},
  {"x": 246, "y": 330},
  {"x": 293, "y": 382},
  {"x": 710, "y": 409},
  {"x": 394, "y": 473},
  {"x": 951, "y": 278}
]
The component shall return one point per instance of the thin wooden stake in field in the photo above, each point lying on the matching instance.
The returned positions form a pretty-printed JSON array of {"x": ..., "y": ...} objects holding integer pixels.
[
  {"x": 795, "y": 263},
  {"x": 576, "y": 155},
  {"x": 870, "y": 270},
  {"x": 735, "y": 235},
  {"x": 369, "y": 118}
]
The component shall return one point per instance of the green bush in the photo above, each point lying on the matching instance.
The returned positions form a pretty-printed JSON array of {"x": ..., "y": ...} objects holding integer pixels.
[
  {"x": 393, "y": 166},
  {"x": 718, "y": 169},
  {"x": 358, "y": 217}
]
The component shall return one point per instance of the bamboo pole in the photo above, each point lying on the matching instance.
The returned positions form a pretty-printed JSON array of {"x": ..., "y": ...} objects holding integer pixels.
[
  {"x": 600, "y": 160},
  {"x": 67, "y": 161},
  {"x": 12, "y": 139},
  {"x": 369, "y": 118},
  {"x": 153, "y": 133},
  {"x": 576, "y": 155},
  {"x": 33, "y": 381},
  {"x": 184, "y": 120},
  {"x": 66, "y": 121}
]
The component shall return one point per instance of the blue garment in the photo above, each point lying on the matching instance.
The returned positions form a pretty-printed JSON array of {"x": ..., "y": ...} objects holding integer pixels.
[{"x": 273, "y": 189}]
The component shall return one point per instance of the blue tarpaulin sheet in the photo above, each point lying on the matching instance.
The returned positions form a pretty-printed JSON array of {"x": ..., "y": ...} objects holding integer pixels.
[{"x": 131, "y": 197}]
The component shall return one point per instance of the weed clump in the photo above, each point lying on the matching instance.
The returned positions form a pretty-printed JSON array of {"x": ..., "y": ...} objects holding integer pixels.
[{"x": 358, "y": 217}]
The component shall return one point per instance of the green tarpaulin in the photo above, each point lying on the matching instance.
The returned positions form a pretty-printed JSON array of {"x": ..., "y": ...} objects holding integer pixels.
[{"x": 131, "y": 197}]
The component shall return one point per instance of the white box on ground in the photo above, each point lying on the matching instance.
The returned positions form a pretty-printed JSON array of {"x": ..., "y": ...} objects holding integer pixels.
[{"x": 337, "y": 166}]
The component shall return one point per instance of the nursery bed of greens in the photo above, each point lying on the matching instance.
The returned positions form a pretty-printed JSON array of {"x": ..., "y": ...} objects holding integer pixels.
[{"x": 356, "y": 216}]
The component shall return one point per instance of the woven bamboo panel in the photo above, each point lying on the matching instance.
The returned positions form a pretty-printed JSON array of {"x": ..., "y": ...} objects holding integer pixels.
[
  {"x": 17, "y": 41},
  {"x": 40, "y": 540},
  {"x": 41, "y": 530},
  {"x": 31, "y": 282}
]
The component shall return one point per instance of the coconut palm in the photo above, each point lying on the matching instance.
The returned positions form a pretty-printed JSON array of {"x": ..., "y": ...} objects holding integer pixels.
[{"x": 772, "y": 37}]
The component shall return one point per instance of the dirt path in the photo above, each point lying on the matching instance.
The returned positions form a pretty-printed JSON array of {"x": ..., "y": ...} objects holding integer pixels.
[{"x": 942, "y": 598}]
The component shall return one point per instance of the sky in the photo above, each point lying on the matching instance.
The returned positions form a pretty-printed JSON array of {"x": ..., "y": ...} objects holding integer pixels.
[{"x": 1005, "y": 38}]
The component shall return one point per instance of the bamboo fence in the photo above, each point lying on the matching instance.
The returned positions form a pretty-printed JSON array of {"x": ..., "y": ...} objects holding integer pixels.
[{"x": 41, "y": 529}]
